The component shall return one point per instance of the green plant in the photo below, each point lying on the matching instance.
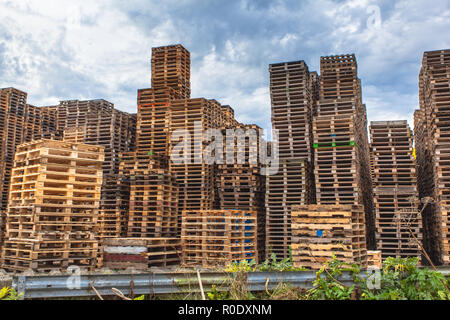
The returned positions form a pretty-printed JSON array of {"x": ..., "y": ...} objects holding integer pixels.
[
  {"x": 242, "y": 266},
  {"x": 9, "y": 294},
  {"x": 140, "y": 298},
  {"x": 401, "y": 279},
  {"x": 217, "y": 295},
  {"x": 326, "y": 285},
  {"x": 284, "y": 265}
]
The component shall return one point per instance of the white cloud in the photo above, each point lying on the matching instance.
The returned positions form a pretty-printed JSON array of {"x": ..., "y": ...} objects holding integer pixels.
[{"x": 61, "y": 49}]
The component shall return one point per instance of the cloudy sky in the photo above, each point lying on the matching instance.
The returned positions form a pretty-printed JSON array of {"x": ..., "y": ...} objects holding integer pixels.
[{"x": 82, "y": 49}]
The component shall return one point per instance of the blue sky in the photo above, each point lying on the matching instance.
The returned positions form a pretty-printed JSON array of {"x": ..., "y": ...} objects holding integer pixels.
[{"x": 60, "y": 49}]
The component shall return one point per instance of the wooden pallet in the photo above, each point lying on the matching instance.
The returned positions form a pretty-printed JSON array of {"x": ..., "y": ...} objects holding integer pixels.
[
  {"x": 341, "y": 155},
  {"x": 395, "y": 190},
  {"x": 319, "y": 232},
  {"x": 374, "y": 259},
  {"x": 53, "y": 206},
  {"x": 291, "y": 186},
  {"x": 171, "y": 67},
  {"x": 218, "y": 237},
  {"x": 141, "y": 253},
  {"x": 338, "y": 77},
  {"x": 293, "y": 101},
  {"x": 19, "y": 123},
  {"x": 432, "y": 149},
  {"x": 153, "y": 208},
  {"x": 114, "y": 207}
]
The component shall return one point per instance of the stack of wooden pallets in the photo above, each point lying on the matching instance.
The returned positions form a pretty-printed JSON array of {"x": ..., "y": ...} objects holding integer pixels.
[
  {"x": 321, "y": 231},
  {"x": 292, "y": 96},
  {"x": 153, "y": 120},
  {"x": 53, "y": 206},
  {"x": 195, "y": 176},
  {"x": 141, "y": 253},
  {"x": 294, "y": 91},
  {"x": 76, "y": 135},
  {"x": 341, "y": 167},
  {"x": 433, "y": 130},
  {"x": 153, "y": 195},
  {"x": 171, "y": 67},
  {"x": 19, "y": 123},
  {"x": 291, "y": 186},
  {"x": 395, "y": 190},
  {"x": 113, "y": 216},
  {"x": 153, "y": 204},
  {"x": 218, "y": 237},
  {"x": 239, "y": 183},
  {"x": 96, "y": 122}
]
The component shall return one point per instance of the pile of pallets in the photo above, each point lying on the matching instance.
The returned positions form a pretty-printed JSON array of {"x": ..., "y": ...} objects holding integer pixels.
[
  {"x": 53, "y": 207},
  {"x": 292, "y": 97},
  {"x": 195, "y": 176},
  {"x": 171, "y": 68},
  {"x": 239, "y": 184},
  {"x": 153, "y": 208},
  {"x": 76, "y": 135},
  {"x": 19, "y": 123},
  {"x": 335, "y": 160},
  {"x": 338, "y": 77},
  {"x": 399, "y": 224},
  {"x": 291, "y": 186},
  {"x": 96, "y": 122},
  {"x": 321, "y": 231},
  {"x": 153, "y": 195},
  {"x": 294, "y": 93},
  {"x": 341, "y": 154},
  {"x": 114, "y": 207},
  {"x": 153, "y": 120},
  {"x": 218, "y": 237},
  {"x": 432, "y": 143},
  {"x": 141, "y": 253}
]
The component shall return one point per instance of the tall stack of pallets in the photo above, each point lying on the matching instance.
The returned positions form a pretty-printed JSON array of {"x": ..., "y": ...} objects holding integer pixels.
[
  {"x": 153, "y": 210},
  {"x": 399, "y": 224},
  {"x": 19, "y": 123},
  {"x": 342, "y": 170},
  {"x": 217, "y": 237},
  {"x": 293, "y": 92},
  {"x": 239, "y": 182},
  {"x": 171, "y": 68},
  {"x": 53, "y": 207},
  {"x": 321, "y": 231},
  {"x": 432, "y": 144},
  {"x": 189, "y": 122},
  {"x": 96, "y": 122}
]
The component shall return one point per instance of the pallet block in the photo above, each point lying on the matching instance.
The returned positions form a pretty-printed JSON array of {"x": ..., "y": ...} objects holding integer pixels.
[
  {"x": 218, "y": 237},
  {"x": 395, "y": 190},
  {"x": 53, "y": 206},
  {"x": 321, "y": 231}
]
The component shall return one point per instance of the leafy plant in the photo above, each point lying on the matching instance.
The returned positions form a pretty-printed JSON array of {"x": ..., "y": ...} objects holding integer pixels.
[
  {"x": 217, "y": 295},
  {"x": 401, "y": 279},
  {"x": 242, "y": 266},
  {"x": 140, "y": 298},
  {"x": 326, "y": 285},
  {"x": 286, "y": 264},
  {"x": 9, "y": 294}
]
